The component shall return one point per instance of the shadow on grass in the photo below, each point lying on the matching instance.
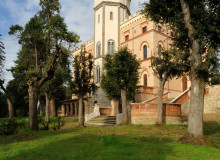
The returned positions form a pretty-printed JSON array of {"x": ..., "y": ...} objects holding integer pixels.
[
  {"x": 29, "y": 135},
  {"x": 108, "y": 147},
  {"x": 211, "y": 128}
]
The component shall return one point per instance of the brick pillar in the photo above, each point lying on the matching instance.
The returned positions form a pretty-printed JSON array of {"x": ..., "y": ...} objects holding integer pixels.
[
  {"x": 76, "y": 109},
  {"x": 71, "y": 109},
  {"x": 67, "y": 109},
  {"x": 63, "y": 110}
]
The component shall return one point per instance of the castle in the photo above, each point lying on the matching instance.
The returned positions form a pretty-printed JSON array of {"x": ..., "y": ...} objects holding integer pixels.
[{"x": 114, "y": 26}]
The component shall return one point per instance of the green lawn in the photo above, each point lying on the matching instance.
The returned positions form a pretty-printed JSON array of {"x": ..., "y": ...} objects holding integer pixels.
[{"x": 108, "y": 143}]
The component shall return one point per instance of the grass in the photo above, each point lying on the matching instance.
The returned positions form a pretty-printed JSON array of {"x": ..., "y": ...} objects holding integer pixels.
[{"x": 132, "y": 142}]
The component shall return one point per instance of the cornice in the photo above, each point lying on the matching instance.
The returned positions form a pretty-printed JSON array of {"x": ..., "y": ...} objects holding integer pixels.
[{"x": 107, "y": 3}]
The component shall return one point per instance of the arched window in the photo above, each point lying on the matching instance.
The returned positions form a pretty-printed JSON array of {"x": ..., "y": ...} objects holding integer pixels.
[
  {"x": 98, "y": 49},
  {"x": 159, "y": 50},
  {"x": 111, "y": 15},
  {"x": 184, "y": 83},
  {"x": 111, "y": 47},
  {"x": 145, "y": 80},
  {"x": 97, "y": 74},
  {"x": 145, "y": 51}
]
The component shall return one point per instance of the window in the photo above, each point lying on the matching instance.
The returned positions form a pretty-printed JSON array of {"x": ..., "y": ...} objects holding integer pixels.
[
  {"x": 111, "y": 47},
  {"x": 144, "y": 30},
  {"x": 145, "y": 80},
  {"x": 111, "y": 15},
  {"x": 159, "y": 50},
  {"x": 127, "y": 38},
  {"x": 98, "y": 18},
  {"x": 145, "y": 51},
  {"x": 97, "y": 74},
  {"x": 98, "y": 49},
  {"x": 159, "y": 28}
]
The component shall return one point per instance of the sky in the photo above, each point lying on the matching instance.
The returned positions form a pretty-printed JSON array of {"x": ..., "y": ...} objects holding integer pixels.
[{"x": 78, "y": 15}]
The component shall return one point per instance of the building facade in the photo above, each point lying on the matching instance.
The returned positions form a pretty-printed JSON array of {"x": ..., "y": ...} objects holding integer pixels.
[{"x": 114, "y": 26}]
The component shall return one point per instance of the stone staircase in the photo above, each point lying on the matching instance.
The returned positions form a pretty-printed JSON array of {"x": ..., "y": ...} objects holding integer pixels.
[{"x": 102, "y": 121}]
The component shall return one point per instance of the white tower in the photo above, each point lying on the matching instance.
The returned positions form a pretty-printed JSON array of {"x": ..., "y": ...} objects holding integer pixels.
[{"x": 108, "y": 14}]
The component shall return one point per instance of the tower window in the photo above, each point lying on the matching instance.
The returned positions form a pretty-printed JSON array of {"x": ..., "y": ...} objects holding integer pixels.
[
  {"x": 145, "y": 51},
  {"x": 111, "y": 47},
  {"x": 98, "y": 49},
  {"x": 145, "y": 80},
  {"x": 97, "y": 74},
  {"x": 127, "y": 38},
  {"x": 144, "y": 30},
  {"x": 111, "y": 15},
  {"x": 99, "y": 18},
  {"x": 159, "y": 29}
]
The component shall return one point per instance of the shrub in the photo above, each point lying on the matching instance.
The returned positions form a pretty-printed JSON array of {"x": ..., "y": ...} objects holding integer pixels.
[
  {"x": 10, "y": 126},
  {"x": 58, "y": 123}
]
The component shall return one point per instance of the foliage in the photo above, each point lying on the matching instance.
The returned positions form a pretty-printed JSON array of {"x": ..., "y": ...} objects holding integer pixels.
[
  {"x": 205, "y": 18},
  {"x": 11, "y": 126},
  {"x": 82, "y": 69},
  {"x": 4, "y": 106},
  {"x": 169, "y": 64},
  {"x": 121, "y": 71}
]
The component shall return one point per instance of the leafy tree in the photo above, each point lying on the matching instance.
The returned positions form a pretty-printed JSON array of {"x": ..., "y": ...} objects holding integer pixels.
[
  {"x": 197, "y": 34},
  {"x": 120, "y": 78},
  {"x": 42, "y": 40},
  {"x": 82, "y": 82},
  {"x": 167, "y": 65}
]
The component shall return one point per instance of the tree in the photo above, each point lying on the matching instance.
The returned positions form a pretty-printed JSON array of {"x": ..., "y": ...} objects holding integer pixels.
[
  {"x": 121, "y": 77},
  {"x": 42, "y": 40},
  {"x": 196, "y": 33},
  {"x": 167, "y": 65},
  {"x": 2, "y": 57},
  {"x": 82, "y": 81}
]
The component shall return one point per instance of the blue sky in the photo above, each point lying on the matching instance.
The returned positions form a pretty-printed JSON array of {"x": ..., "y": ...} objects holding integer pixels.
[{"x": 78, "y": 15}]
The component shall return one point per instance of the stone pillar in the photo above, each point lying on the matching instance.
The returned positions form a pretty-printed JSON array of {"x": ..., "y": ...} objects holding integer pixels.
[
  {"x": 71, "y": 109},
  {"x": 115, "y": 107},
  {"x": 67, "y": 109},
  {"x": 87, "y": 106},
  {"x": 76, "y": 109},
  {"x": 63, "y": 110}
]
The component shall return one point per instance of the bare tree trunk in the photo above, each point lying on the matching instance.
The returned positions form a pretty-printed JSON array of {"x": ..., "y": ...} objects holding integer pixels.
[
  {"x": 41, "y": 109},
  {"x": 10, "y": 108},
  {"x": 53, "y": 107},
  {"x": 33, "y": 99},
  {"x": 47, "y": 110},
  {"x": 115, "y": 106},
  {"x": 160, "y": 103},
  {"x": 81, "y": 115},
  {"x": 10, "y": 105},
  {"x": 195, "y": 119},
  {"x": 124, "y": 107}
]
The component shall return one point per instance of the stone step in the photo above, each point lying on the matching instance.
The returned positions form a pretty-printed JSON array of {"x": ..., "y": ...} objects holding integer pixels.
[{"x": 103, "y": 121}]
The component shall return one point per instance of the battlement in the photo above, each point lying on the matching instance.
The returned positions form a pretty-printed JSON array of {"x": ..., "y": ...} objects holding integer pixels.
[
  {"x": 131, "y": 19},
  {"x": 84, "y": 44}
]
